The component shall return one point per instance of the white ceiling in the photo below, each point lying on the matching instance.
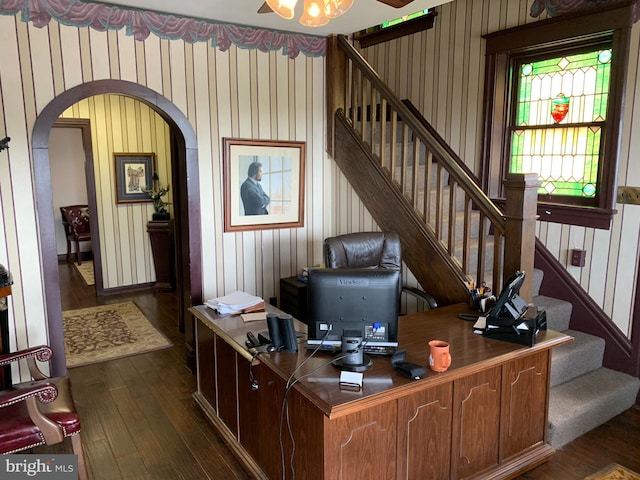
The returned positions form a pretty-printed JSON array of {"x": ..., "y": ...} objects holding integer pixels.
[{"x": 363, "y": 13}]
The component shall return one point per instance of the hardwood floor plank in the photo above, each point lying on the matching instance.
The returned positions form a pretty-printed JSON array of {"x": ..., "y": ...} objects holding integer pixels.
[
  {"x": 139, "y": 419},
  {"x": 101, "y": 462}
]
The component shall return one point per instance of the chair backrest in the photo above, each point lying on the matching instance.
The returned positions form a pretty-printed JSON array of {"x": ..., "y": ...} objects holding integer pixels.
[
  {"x": 76, "y": 217},
  {"x": 364, "y": 250}
]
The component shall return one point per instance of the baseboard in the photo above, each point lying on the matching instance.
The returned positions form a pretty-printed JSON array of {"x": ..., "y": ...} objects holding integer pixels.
[{"x": 84, "y": 256}]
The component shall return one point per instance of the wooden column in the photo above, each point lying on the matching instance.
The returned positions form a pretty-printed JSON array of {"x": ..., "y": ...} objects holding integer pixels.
[
  {"x": 162, "y": 247},
  {"x": 520, "y": 230},
  {"x": 336, "y": 81}
]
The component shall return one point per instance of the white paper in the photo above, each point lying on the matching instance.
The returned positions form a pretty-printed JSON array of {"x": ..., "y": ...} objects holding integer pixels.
[{"x": 234, "y": 302}]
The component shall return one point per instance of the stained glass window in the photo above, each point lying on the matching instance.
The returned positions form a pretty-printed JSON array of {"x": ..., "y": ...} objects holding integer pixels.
[
  {"x": 411, "y": 16},
  {"x": 559, "y": 120}
]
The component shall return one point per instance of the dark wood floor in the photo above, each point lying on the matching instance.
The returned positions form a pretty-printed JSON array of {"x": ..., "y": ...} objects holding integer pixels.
[
  {"x": 138, "y": 418},
  {"x": 140, "y": 422}
]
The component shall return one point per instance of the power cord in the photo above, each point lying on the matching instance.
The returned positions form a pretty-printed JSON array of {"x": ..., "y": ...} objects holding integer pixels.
[
  {"x": 284, "y": 410},
  {"x": 291, "y": 381},
  {"x": 252, "y": 380}
]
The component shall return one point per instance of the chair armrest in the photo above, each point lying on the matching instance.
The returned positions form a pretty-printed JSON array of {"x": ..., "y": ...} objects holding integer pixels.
[
  {"x": 45, "y": 392},
  {"x": 42, "y": 353},
  {"x": 416, "y": 292},
  {"x": 32, "y": 397}
]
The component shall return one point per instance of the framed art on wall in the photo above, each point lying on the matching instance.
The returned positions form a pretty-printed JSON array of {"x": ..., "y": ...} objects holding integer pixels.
[
  {"x": 134, "y": 175},
  {"x": 263, "y": 184}
]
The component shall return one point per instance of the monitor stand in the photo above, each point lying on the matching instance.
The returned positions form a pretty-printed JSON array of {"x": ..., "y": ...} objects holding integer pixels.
[
  {"x": 352, "y": 358},
  {"x": 339, "y": 362}
]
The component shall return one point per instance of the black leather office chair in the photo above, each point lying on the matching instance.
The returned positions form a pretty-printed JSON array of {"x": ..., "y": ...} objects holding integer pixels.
[{"x": 370, "y": 250}]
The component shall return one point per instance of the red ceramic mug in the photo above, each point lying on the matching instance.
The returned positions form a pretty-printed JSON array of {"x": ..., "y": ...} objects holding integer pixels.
[{"x": 439, "y": 357}]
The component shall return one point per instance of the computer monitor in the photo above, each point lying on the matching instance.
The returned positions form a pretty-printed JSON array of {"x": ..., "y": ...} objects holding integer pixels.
[{"x": 344, "y": 301}]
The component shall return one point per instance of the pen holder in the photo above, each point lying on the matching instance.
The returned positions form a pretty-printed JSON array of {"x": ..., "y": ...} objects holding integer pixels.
[{"x": 480, "y": 302}]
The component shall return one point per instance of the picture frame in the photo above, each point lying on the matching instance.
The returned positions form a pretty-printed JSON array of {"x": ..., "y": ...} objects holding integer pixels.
[
  {"x": 282, "y": 165},
  {"x": 134, "y": 174}
]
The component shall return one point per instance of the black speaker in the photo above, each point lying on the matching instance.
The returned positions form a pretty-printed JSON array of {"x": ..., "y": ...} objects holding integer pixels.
[
  {"x": 274, "y": 331},
  {"x": 288, "y": 333}
]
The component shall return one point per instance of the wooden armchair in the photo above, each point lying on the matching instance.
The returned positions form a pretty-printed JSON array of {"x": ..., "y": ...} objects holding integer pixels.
[
  {"x": 75, "y": 219},
  {"x": 38, "y": 412}
]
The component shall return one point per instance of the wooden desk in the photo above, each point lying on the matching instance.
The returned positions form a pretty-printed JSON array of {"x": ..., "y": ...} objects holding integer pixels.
[{"x": 486, "y": 417}]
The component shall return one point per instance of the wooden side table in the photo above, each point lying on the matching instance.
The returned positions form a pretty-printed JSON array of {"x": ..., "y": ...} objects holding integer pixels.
[
  {"x": 5, "y": 372},
  {"x": 162, "y": 247},
  {"x": 293, "y": 298}
]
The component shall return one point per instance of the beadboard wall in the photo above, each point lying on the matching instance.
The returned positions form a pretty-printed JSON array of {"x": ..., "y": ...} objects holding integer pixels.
[{"x": 442, "y": 70}]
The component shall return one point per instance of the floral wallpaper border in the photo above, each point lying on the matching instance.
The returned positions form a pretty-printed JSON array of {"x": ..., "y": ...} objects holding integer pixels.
[
  {"x": 140, "y": 24},
  {"x": 561, "y": 7}
]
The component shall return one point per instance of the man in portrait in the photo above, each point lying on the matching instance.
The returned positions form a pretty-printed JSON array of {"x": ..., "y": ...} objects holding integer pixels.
[{"x": 254, "y": 199}]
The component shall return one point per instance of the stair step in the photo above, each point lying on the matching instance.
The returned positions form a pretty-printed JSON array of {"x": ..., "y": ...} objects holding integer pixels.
[
  {"x": 473, "y": 255},
  {"x": 538, "y": 275},
  {"x": 582, "y": 404},
  {"x": 574, "y": 359},
  {"x": 558, "y": 312}
]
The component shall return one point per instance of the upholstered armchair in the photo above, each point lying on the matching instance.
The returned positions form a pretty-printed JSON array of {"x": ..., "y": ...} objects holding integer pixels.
[
  {"x": 370, "y": 250},
  {"x": 38, "y": 412},
  {"x": 75, "y": 219}
]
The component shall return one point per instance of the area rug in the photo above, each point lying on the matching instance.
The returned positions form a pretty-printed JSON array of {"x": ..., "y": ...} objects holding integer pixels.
[
  {"x": 108, "y": 332},
  {"x": 86, "y": 270},
  {"x": 614, "y": 472}
]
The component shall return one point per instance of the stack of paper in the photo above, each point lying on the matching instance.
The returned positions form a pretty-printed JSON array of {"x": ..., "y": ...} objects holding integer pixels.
[{"x": 236, "y": 302}]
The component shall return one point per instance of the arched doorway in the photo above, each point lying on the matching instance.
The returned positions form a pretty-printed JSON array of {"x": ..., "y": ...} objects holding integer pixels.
[{"x": 187, "y": 208}]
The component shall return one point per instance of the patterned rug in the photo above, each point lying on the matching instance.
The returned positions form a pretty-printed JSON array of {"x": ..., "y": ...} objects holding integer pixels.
[
  {"x": 107, "y": 332},
  {"x": 614, "y": 472},
  {"x": 86, "y": 270}
]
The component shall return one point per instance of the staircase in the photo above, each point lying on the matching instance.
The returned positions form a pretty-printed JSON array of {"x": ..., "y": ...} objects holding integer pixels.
[
  {"x": 583, "y": 393},
  {"x": 412, "y": 183}
]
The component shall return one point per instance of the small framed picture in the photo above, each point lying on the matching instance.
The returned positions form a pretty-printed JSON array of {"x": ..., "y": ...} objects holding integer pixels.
[
  {"x": 263, "y": 184},
  {"x": 134, "y": 175}
]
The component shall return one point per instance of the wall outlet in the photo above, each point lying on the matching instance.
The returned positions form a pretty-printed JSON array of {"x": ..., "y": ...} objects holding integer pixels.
[{"x": 578, "y": 257}]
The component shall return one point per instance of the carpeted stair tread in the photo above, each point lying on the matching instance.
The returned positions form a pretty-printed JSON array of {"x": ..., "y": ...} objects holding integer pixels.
[
  {"x": 538, "y": 275},
  {"x": 558, "y": 312},
  {"x": 580, "y": 405},
  {"x": 583, "y": 355}
]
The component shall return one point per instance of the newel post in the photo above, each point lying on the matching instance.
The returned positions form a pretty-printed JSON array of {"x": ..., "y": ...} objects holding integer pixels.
[
  {"x": 336, "y": 81},
  {"x": 521, "y": 206}
]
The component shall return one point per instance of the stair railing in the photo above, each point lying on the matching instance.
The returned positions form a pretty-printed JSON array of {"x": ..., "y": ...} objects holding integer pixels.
[{"x": 431, "y": 177}]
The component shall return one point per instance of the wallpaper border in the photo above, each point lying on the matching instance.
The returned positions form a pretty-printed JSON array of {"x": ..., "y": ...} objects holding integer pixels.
[{"x": 140, "y": 24}]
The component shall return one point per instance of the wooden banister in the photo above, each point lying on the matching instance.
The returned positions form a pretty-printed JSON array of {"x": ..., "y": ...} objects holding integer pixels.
[{"x": 458, "y": 220}]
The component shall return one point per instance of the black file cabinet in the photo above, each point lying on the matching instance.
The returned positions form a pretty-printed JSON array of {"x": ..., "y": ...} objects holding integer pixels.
[{"x": 293, "y": 298}]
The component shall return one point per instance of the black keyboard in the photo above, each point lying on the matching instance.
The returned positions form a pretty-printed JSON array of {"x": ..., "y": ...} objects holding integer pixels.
[{"x": 368, "y": 349}]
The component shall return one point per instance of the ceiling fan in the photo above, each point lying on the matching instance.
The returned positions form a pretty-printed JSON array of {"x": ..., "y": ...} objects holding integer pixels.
[{"x": 318, "y": 12}]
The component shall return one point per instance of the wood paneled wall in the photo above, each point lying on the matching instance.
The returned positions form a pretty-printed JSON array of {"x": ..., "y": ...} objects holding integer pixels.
[
  {"x": 236, "y": 93},
  {"x": 442, "y": 70}
]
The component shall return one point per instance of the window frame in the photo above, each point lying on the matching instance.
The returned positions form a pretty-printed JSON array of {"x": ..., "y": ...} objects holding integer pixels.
[{"x": 546, "y": 36}]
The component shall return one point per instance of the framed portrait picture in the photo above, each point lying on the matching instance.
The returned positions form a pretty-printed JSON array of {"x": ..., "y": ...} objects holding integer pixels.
[
  {"x": 134, "y": 175},
  {"x": 263, "y": 184}
]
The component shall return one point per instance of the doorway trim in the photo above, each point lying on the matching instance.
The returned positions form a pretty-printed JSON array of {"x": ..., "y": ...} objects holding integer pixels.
[
  {"x": 186, "y": 178},
  {"x": 89, "y": 170}
]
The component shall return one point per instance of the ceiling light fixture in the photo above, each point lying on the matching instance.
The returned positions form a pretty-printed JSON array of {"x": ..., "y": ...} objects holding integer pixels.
[{"x": 316, "y": 12}]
